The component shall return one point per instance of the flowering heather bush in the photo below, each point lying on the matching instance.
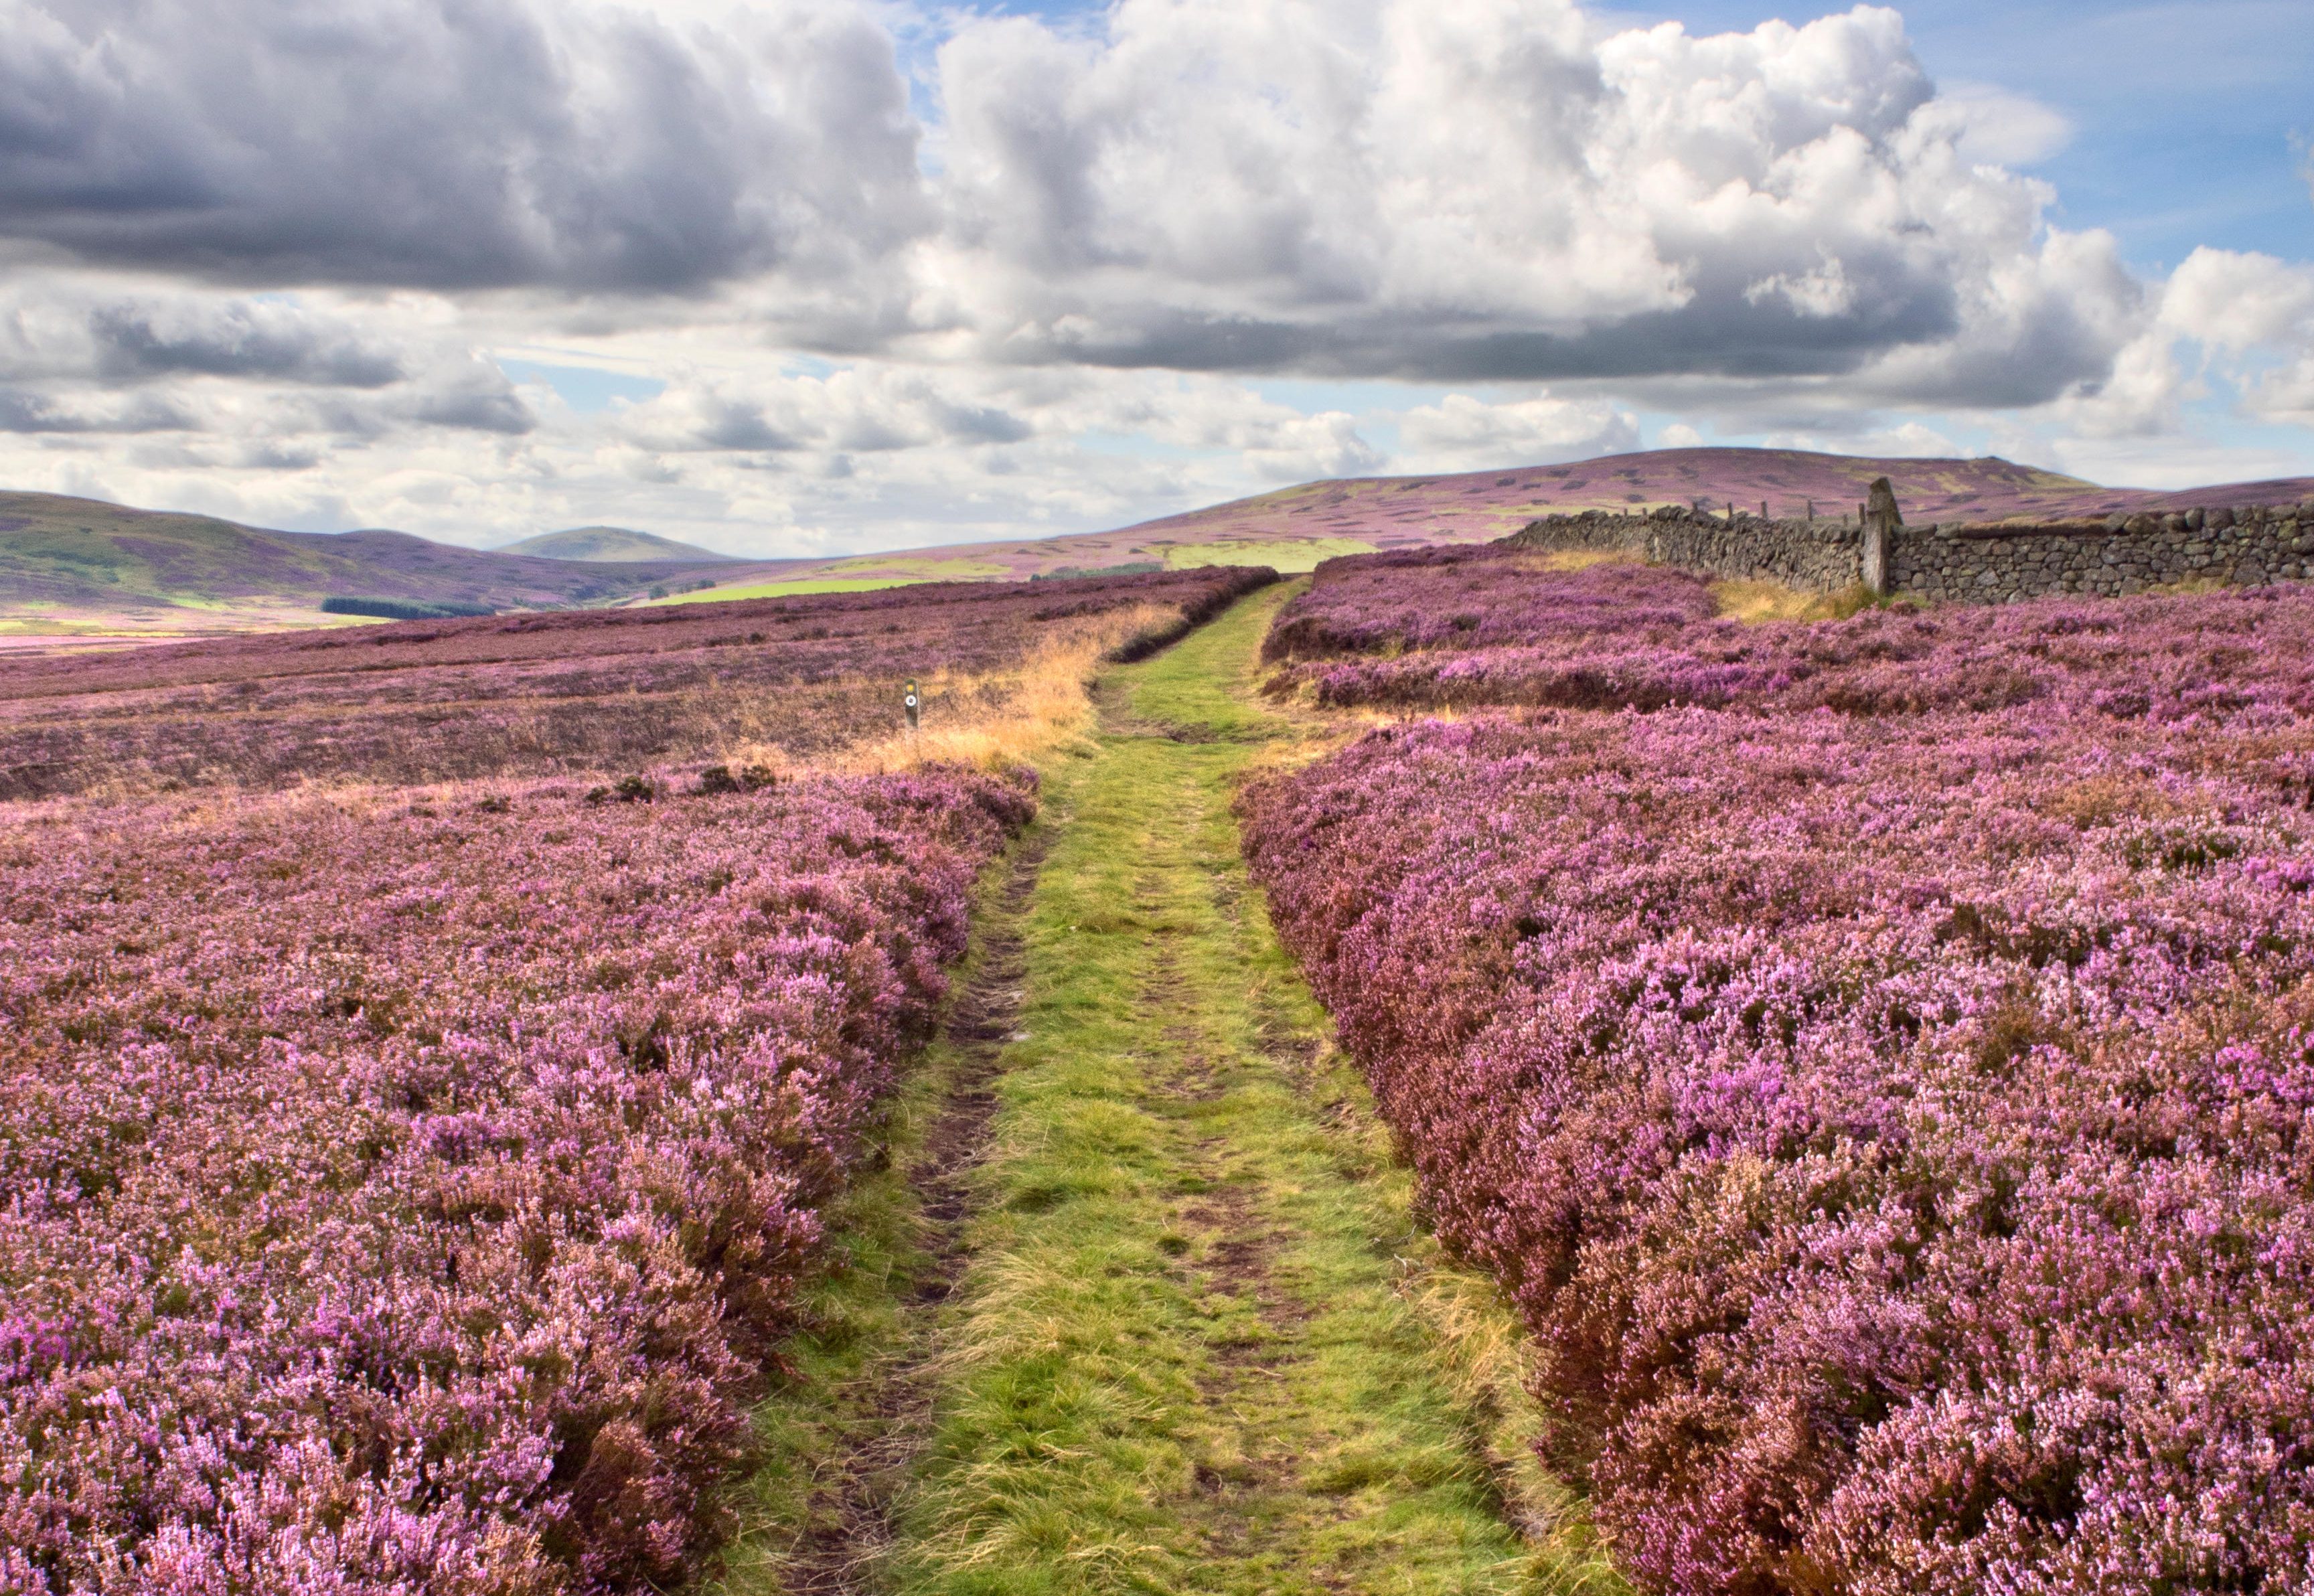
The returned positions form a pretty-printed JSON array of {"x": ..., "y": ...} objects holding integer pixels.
[
  {"x": 1621, "y": 635},
  {"x": 568, "y": 691},
  {"x": 412, "y": 1198},
  {"x": 1895, "y": 1128},
  {"x": 1476, "y": 598}
]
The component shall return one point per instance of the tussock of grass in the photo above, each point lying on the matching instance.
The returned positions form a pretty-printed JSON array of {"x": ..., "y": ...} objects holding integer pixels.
[
  {"x": 1025, "y": 715},
  {"x": 1578, "y": 560},
  {"x": 1741, "y": 599},
  {"x": 1490, "y": 1366}
]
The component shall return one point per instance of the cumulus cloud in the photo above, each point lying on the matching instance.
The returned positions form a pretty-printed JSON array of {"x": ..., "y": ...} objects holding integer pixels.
[
  {"x": 1461, "y": 433},
  {"x": 2239, "y": 318},
  {"x": 109, "y": 356},
  {"x": 872, "y": 410},
  {"x": 1458, "y": 190},
  {"x": 479, "y": 143},
  {"x": 257, "y": 256},
  {"x": 479, "y": 398},
  {"x": 2253, "y": 305},
  {"x": 2000, "y": 127},
  {"x": 1443, "y": 189},
  {"x": 27, "y": 411},
  {"x": 2237, "y": 300},
  {"x": 237, "y": 338},
  {"x": 1910, "y": 440}
]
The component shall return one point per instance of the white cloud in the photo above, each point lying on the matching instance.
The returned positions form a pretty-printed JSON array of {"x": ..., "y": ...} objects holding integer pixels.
[
  {"x": 2253, "y": 314},
  {"x": 262, "y": 254},
  {"x": 2235, "y": 302},
  {"x": 491, "y": 143},
  {"x": 870, "y": 410},
  {"x": 2001, "y": 128},
  {"x": 1482, "y": 189},
  {"x": 1911, "y": 440},
  {"x": 2244, "y": 319},
  {"x": 1461, "y": 433}
]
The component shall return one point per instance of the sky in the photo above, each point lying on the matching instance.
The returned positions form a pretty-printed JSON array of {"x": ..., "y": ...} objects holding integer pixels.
[{"x": 814, "y": 277}]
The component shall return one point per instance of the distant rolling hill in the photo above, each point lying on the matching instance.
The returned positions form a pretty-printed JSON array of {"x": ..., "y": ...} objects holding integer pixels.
[
  {"x": 1487, "y": 503},
  {"x": 75, "y": 564},
  {"x": 1295, "y": 527},
  {"x": 601, "y": 545},
  {"x": 91, "y": 565}
]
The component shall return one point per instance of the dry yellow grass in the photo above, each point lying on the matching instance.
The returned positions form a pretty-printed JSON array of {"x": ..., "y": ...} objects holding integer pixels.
[
  {"x": 1575, "y": 559},
  {"x": 1019, "y": 716},
  {"x": 1741, "y": 599}
]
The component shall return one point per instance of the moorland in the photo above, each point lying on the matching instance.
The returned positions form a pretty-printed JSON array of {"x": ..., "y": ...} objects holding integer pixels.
[
  {"x": 71, "y": 566},
  {"x": 1473, "y": 1070}
]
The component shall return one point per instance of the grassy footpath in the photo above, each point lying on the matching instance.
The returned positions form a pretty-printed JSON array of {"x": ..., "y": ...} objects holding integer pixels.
[{"x": 1195, "y": 1342}]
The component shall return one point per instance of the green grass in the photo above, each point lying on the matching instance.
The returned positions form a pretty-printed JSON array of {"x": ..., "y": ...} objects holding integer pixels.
[
  {"x": 1184, "y": 1359},
  {"x": 855, "y": 1331},
  {"x": 823, "y": 1433},
  {"x": 1199, "y": 1343},
  {"x": 711, "y": 596},
  {"x": 1283, "y": 554}
]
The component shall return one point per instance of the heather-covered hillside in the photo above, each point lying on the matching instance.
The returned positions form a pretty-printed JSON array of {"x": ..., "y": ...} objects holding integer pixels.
[
  {"x": 68, "y": 558},
  {"x": 602, "y": 690},
  {"x": 64, "y": 560}
]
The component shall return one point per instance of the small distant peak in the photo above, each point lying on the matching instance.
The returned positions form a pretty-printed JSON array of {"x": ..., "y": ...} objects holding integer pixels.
[{"x": 612, "y": 545}]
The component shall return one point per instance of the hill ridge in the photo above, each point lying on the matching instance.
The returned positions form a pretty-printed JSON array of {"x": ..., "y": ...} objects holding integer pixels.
[
  {"x": 65, "y": 561},
  {"x": 83, "y": 563}
]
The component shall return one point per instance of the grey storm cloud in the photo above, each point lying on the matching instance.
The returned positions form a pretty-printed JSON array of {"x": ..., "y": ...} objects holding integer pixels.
[
  {"x": 480, "y": 407},
  {"x": 24, "y": 410},
  {"x": 450, "y": 144},
  {"x": 1718, "y": 333},
  {"x": 236, "y": 340}
]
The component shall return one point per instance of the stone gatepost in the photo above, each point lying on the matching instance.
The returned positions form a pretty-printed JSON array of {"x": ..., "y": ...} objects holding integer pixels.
[{"x": 1881, "y": 519}]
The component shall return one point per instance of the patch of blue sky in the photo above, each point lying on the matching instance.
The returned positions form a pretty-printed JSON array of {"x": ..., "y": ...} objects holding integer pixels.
[
  {"x": 1362, "y": 397},
  {"x": 587, "y": 389}
]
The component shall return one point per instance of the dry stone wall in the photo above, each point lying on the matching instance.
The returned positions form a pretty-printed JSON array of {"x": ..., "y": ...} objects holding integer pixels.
[
  {"x": 1820, "y": 556},
  {"x": 1980, "y": 563},
  {"x": 2243, "y": 548}
]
